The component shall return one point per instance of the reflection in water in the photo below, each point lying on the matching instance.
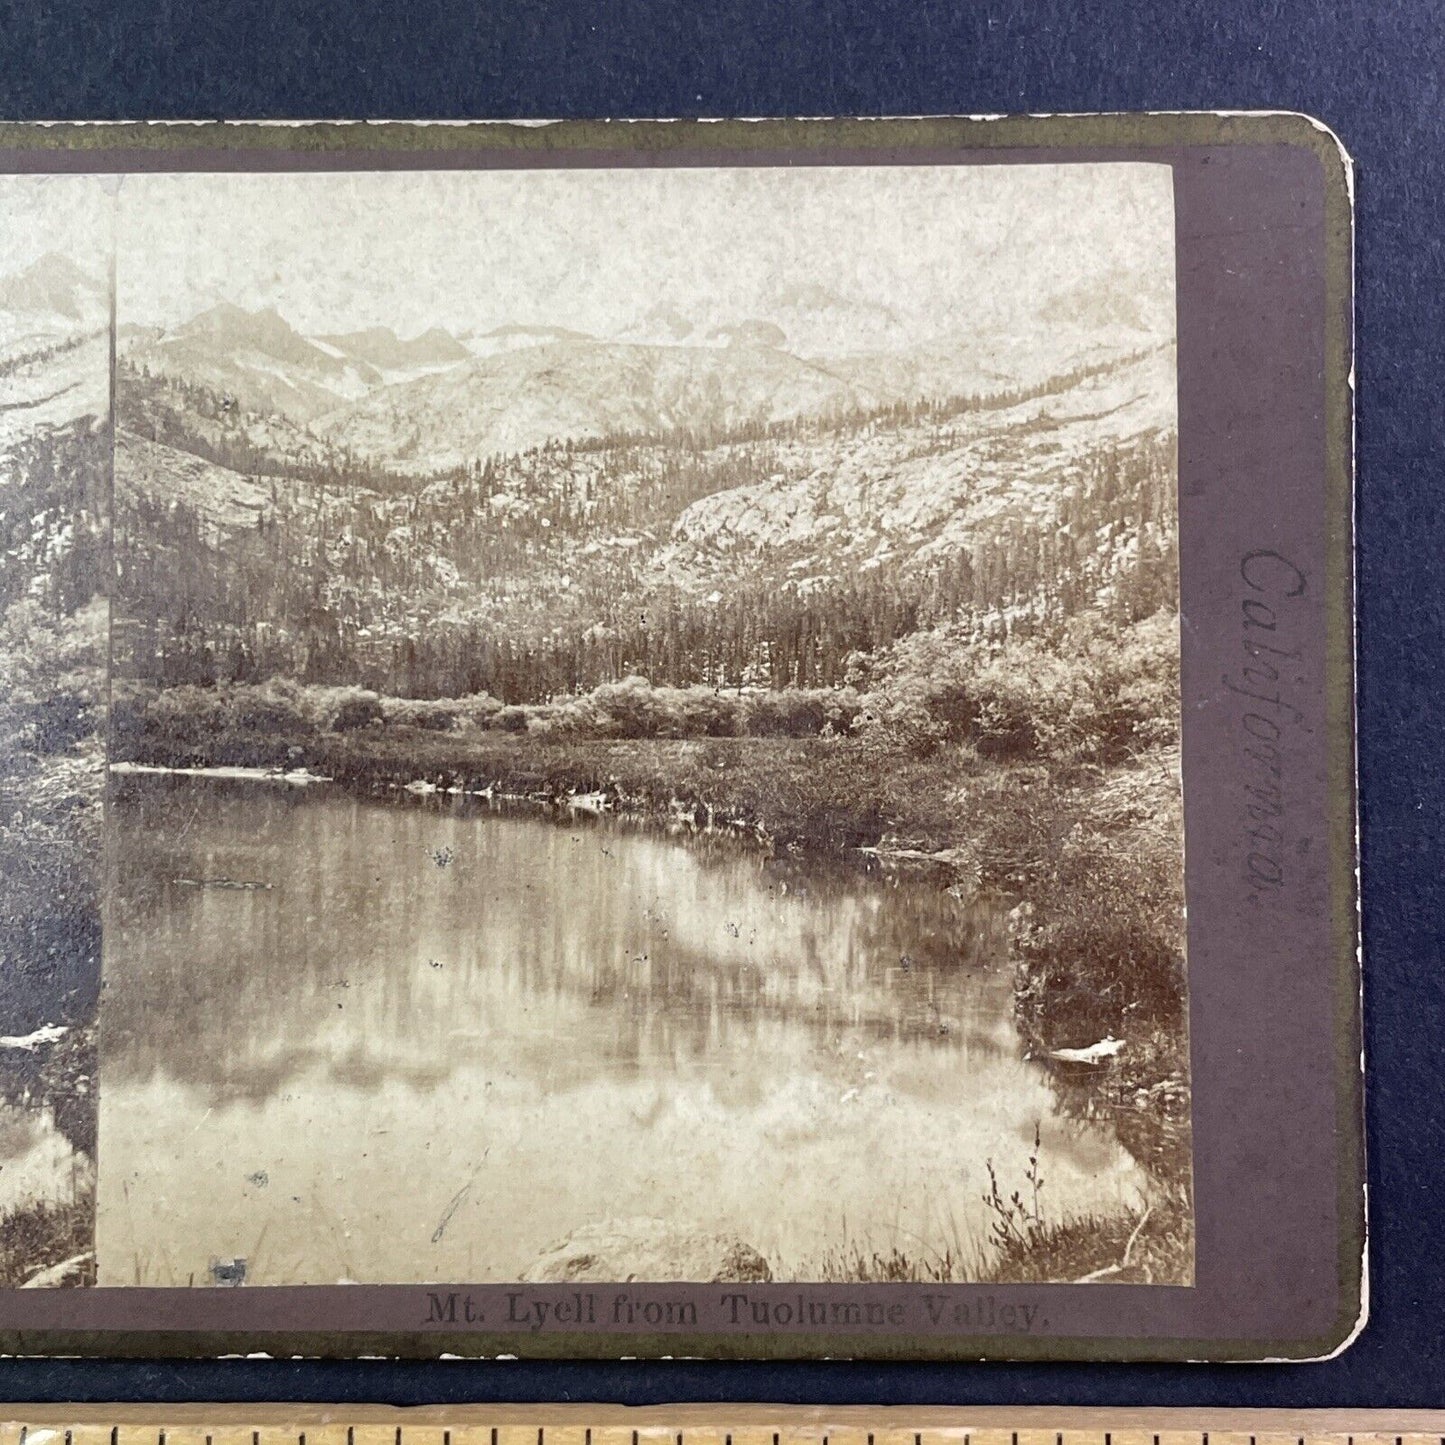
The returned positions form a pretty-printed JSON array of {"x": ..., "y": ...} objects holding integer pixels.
[
  {"x": 331, "y": 1024},
  {"x": 38, "y": 1164}
]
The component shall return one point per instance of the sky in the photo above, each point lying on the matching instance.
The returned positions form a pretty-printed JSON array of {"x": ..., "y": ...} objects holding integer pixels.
[
  {"x": 71, "y": 215},
  {"x": 595, "y": 249}
]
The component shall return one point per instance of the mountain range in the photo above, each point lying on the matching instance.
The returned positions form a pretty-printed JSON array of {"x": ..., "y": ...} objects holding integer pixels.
[
  {"x": 433, "y": 400},
  {"x": 394, "y": 358},
  {"x": 54, "y": 289},
  {"x": 806, "y": 318},
  {"x": 54, "y": 347},
  {"x": 257, "y": 360},
  {"x": 675, "y": 555},
  {"x": 515, "y": 400}
]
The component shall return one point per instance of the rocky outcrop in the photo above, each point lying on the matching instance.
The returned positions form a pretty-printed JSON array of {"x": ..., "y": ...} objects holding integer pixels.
[{"x": 617, "y": 1251}]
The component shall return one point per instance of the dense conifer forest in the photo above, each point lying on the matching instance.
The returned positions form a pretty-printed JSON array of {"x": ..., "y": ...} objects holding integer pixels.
[{"x": 534, "y": 576}]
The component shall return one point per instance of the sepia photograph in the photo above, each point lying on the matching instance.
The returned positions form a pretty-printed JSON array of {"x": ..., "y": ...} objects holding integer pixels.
[
  {"x": 643, "y": 728},
  {"x": 55, "y": 486}
]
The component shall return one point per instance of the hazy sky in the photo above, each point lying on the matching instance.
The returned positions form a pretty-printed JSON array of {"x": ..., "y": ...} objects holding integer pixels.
[
  {"x": 594, "y": 250},
  {"x": 68, "y": 214}
]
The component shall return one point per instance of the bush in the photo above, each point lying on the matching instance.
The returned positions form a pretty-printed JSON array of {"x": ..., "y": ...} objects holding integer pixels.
[
  {"x": 1097, "y": 693},
  {"x": 789, "y": 713},
  {"x": 325, "y": 709},
  {"x": 512, "y": 719},
  {"x": 1100, "y": 944},
  {"x": 704, "y": 713},
  {"x": 634, "y": 708},
  {"x": 434, "y": 714},
  {"x": 356, "y": 712},
  {"x": 626, "y": 709},
  {"x": 1137, "y": 686},
  {"x": 440, "y": 714},
  {"x": 172, "y": 720},
  {"x": 1028, "y": 700},
  {"x": 894, "y": 726},
  {"x": 129, "y": 704},
  {"x": 266, "y": 710},
  {"x": 476, "y": 709},
  {"x": 186, "y": 714}
]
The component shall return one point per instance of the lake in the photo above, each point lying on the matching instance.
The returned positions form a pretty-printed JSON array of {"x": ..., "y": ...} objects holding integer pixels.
[{"x": 411, "y": 1040}]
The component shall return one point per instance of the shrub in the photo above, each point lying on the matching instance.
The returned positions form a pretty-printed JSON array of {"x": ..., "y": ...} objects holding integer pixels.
[
  {"x": 436, "y": 715},
  {"x": 703, "y": 712},
  {"x": 792, "y": 713},
  {"x": 1027, "y": 699},
  {"x": 512, "y": 719},
  {"x": 1100, "y": 946},
  {"x": 892, "y": 725},
  {"x": 1137, "y": 686},
  {"x": 356, "y": 712},
  {"x": 440, "y": 714},
  {"x": 328, "y": 709},
  {"x": 796, "y": 712},
  {"x": 177, "y": 718},
  {"x": 1097, "y": 693},
  {"x": 476, "y": 709},
  {"x": 634, "y": 709},
  {"x": 186, "y": 714},
  {"x": 129, "y": 702},
  {"x": 267, "y": 709},
  {"x": 626, "y": 709}
]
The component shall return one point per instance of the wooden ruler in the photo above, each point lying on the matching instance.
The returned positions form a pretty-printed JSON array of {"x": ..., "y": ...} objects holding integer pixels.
[{"x": 706, "y": 1425}]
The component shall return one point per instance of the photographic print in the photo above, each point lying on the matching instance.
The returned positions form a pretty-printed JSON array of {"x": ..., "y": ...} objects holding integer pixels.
[
  {"x": 630, "y": 684},
  {"x": 608, "y": 730},
  {"x": 54, "y": 518}
]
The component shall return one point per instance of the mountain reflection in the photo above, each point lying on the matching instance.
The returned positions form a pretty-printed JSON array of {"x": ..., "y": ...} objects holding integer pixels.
[
  {"x": 268, "y": 931},
  {"x": 594, "y": 1020}
]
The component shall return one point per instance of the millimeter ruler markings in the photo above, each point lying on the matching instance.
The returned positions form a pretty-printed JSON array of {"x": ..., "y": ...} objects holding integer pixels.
[{"x": 705, "y": 1425}]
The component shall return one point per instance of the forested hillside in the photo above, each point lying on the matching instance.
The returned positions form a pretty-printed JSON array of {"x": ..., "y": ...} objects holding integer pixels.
[
  {"x": 55, "y": 475},
  {"x": 54, "y": 504},
  {"x": 761, "y": 555},
  {"x": 55, "y": 483}
]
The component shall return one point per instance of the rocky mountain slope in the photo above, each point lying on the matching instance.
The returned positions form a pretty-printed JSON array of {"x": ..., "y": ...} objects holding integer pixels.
[
  {"x": 258, "y": 361},
  {"x": 438, "y": 399},
  {"x": 913, "y": 494},
  {"x": 227, "y": 501},
  {"x": 54, "y": 348},
  {"x": 573, "y": 390},
  {"x": 678, "y": 551},
  {"x": 53, "y": 386}
]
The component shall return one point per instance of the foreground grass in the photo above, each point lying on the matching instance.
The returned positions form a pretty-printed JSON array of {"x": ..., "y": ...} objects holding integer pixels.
[
  {"x": 1024, "y": 1243},
  {"x": 1149, "y": 1245},
  {"x": 1152, "y": 1244},
  {"x": 37, "y": 1236}
]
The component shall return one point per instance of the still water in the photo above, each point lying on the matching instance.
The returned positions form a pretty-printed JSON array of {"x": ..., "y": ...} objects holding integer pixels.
[{"x": 424, "y": 1040}]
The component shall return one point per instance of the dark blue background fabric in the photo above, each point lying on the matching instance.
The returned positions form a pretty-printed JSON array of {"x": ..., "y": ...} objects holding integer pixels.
[{"x": 1370, "y": 68}]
